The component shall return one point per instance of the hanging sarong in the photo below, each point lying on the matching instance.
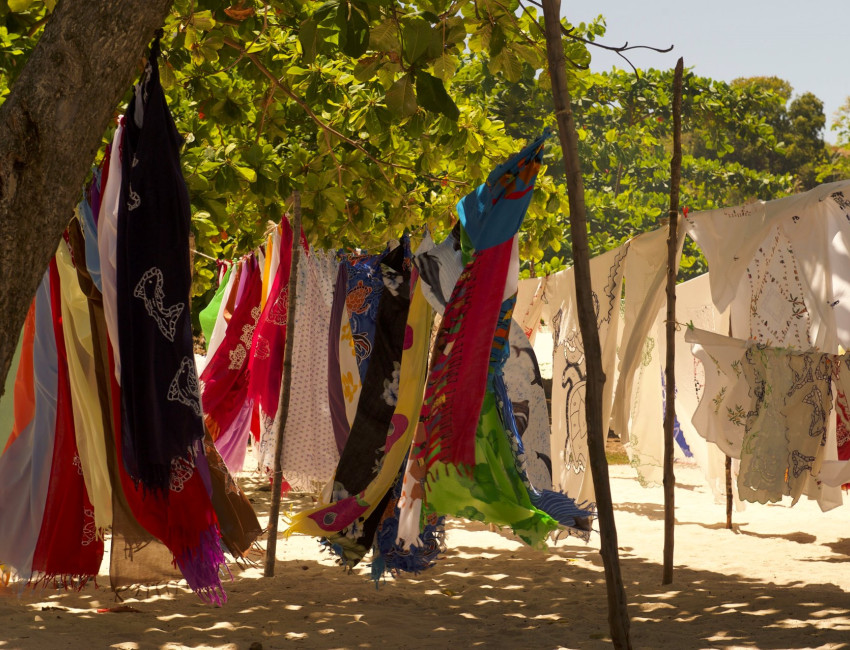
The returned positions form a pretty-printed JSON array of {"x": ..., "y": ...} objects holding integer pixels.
[
  {"x": 472, "y": 468},
  {"x": 362, "y": 298},
  {"x": 226, "y": 378},
  {"x": 310, "y": 453},
  {"x": 336, "y": 390},
  {"x": 209, "y": 314},
  {"x": 161, "y": 432},
  {"x": 267, "y": 350},
  {"x": 26, "y": 463},
  {"x": 86, "y": 406},
  {"x": 162, "y": 423}
]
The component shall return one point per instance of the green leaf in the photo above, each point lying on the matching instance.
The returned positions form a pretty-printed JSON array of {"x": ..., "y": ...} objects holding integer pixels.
[
  {"x": 191, "y": 37},
  {"x": 497, "y": 40},
  {"x": 432, "y": 96},
  {"x": 445, "y": 66},
  {"x": 18, "y": 6},
  {"x": 401, "y": 100},
  {"x": 336, "y": 196},
  {"x": 310, "y": 39},
  {"x": 354, "y": 30},
  {"x": 384, "y": 37},
  {"x": 203, "y": 20},
  {"x": 166, "y": 76},
  {"x": 508, "y": 64},
  {"x": 419, "y": 36},
  {"x": 366, "y": 68}
]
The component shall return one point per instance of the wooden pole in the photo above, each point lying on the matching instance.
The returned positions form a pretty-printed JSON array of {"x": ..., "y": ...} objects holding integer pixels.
[
  {"x": 729, "y": 497},
  {"x": 283, "y": 404},
  {"x": 618, "y": 616},
  {"x": 670, "y": 369}
]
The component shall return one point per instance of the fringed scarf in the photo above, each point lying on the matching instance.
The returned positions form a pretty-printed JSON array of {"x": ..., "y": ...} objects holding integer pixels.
[
  {"x": 69, "y": 549},
  {"x": 26, "y": 463},
  {"x": 226, "y": 378},
  {"x": 491, "y": 216},
  {"x": 161, "y": 409}
]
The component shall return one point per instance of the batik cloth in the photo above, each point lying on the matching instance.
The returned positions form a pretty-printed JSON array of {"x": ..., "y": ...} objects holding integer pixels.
[
  {"x": 770, "y": 407},
  {"x": 310, "y": 454},
  {"x": 161, "y": 408},
  {"x": 363, "y": 295},
  {"x": 570, "y": 463},
  {"x": 528, "y": 405},
  {"x": 162, "y": 430},
  {"x": 378, "y": 420}
]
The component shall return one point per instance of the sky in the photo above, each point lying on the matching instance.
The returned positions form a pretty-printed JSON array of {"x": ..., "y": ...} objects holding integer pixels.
[{"x": 804, "y": 41}]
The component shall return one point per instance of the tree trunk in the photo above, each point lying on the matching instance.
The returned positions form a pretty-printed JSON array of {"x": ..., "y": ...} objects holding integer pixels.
[
  {"x": 51, "y": 127},
  {"x": 670, "y": 369},
  {"x": 618, "y": 616}
]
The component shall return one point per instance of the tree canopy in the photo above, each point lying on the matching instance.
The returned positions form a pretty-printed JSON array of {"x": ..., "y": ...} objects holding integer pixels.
[{"x": 384, "y": 114}]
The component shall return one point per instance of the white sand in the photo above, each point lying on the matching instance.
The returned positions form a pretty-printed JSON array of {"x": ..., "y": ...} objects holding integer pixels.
[{"x": 778, "y": 581}]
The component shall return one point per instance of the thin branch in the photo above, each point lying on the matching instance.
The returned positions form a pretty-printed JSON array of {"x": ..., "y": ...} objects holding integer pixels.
[{"x": 618, "y": 50}]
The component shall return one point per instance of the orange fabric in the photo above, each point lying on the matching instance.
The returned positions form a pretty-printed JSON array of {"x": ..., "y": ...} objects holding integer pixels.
[{"x": 24, "y": 382}]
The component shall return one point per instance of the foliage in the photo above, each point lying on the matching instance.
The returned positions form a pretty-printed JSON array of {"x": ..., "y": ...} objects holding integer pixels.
[
  {"x": 625, "y": 131},
  {"x": 383, "y": 115}
]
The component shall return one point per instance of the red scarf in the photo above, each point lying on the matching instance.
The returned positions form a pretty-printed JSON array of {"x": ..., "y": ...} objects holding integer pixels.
[{"x": 458, "y": 377}]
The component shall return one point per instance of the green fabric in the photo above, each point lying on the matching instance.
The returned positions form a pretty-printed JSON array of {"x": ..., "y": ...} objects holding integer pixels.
[
  {"x": 7, "y": 402},
  {"x": 208, "y": 314},
  {"x": 494, "y": 491}
]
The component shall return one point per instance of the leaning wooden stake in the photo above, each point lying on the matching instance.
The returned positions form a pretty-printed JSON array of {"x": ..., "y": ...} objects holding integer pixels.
[
  {"x": 283, "y": 404},
  {"x": 618, "y": 616},
  {"x": 670, "y": 369},
  {"x": 729, "y": 497}
]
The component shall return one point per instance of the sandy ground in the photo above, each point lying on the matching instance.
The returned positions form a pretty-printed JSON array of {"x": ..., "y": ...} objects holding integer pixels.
[{"x": 779, "y": 580}]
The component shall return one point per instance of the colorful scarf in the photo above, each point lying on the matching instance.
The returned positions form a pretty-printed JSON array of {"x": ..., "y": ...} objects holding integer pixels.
[
  {"x": 86, "y": 405},
  {"x": 162, "y": 424},
  {"x": 266, "y": 363},
  {"x": 208, "y": 315},
  {"x": 458, "y": 376},
  {"x": 225, "y": 380},
  {"x": 26, "y": 463}
]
